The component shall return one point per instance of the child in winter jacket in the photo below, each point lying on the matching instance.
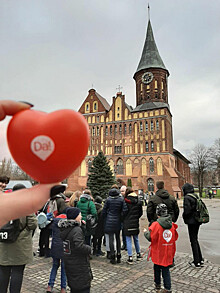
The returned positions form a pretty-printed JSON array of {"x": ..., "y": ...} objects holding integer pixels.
[
  {"x": 76, "y": 252},
  {"x": 162, "y": 235}
]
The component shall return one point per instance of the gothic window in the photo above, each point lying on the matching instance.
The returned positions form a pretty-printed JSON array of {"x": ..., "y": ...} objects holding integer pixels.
[
  {"x": 157, "y": 125},
  {"x": 106, "y": 130},
  {"x": 118, "y": 149},
  {"x": 146, "y": 147},
  {"x": 151, "y": 163},
  {"x": 141, "y": 126},
  {"x": 93, "y": 131},
  {"x": 152, "y": 146},
  {"x": 97, "y": 119},
  {"x": 146, "y": 126},
  {"x": 128, "y": 168},
  {"x": 87, "y": 106},
  {"x": 119, "y": 167},
  {"x": 97, "y": 131},
  {"x": 95, "y": 106},
  {"x": 89, "y": 164},
  {"x": 120, "y": 129},
  {"x": 159, "y": 167},
  {"x": 156, "y": 96},
  {"x": 150, "y": 184},
  {"x": 152, "y": 125},
  {"x": 111, "y": 130},
  {"x": 144, "y": 167},
  {"x": 115, "y": 129},
  {"x": 125, "y": 129},
  {"x": 130, "y": 128}
]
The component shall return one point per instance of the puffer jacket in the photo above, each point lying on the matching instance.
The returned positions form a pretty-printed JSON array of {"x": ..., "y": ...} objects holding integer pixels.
[
  {"x": 19, "y": 252},
  {"x": 76, "y": 255},
  {"x": 135, "y": 211},
  {"x": 113, "y": 211},
  {"x": 99, "y": 232},
  {"x": 86, "y": 206},
  {"x": 57, "y": 242},
  {"x": 189, "y": 204},
  {"x": 162, "y": 196}
]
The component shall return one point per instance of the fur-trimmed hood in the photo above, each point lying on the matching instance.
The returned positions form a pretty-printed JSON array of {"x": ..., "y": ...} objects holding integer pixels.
[{"x": 66, "y": 226}]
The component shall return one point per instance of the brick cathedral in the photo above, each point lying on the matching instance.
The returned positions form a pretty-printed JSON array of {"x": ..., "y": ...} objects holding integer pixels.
[{"x": 138, "y": 142}]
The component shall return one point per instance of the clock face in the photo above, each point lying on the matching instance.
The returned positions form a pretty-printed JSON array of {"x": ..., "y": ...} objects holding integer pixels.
[{"x": 147, "y": 77}]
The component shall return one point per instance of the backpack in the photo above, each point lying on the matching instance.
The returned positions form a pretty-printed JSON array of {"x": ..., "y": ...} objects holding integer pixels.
[
  {"x": 202, "y": 213},
  {"x": 9, "y": 232},
  {"x": 91, "y": 222},
  {"x": 52, "y": 208},
  {"x": 43, "y": 220}
]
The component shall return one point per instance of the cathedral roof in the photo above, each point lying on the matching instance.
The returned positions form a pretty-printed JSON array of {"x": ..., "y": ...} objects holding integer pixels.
[
  {"x": 150, "y": 55},
  {"x": 151, "y": 106},
  {"x": 103, "y": 101}
]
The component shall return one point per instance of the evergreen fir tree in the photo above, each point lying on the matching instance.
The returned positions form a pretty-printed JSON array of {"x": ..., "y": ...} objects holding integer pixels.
[
  {"x": 100, "y": 178},
  {"x": 129, "y": 183}
]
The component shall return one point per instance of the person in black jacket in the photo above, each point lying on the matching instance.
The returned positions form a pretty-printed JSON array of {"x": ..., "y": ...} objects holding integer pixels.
[
  {"x": 131, "y": 223},
  {"x": 189, "y": 210},
  {"x": 99, "y": 232},
  {"x": 113, "y": 210},
  {"x": 76, "y": 252},
  {"x": 162, "y": 196}
]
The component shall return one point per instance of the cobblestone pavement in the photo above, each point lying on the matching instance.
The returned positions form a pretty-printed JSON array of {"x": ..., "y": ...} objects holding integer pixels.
[{"x": 127, "y": 278}]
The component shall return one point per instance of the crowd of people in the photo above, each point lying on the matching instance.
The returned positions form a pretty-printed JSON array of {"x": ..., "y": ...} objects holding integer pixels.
[{"x": 68, "y": 217}]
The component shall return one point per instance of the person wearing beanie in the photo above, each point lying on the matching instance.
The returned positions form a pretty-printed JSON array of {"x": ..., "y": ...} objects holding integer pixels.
[
  {"x": 14, "y": 256},
  {"x": 76, "y": 252},
  {"x": 113, "y": 210},
  {"x": 99, "y": 232},
  {"x": 163, "y": 236},
  {"x": 162, "y": 196},
  {"x": 189, "y": 211}
]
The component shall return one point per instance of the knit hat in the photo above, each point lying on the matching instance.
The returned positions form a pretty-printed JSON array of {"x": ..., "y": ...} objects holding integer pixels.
[
  {"x": 161, "y": 210},
  {"x": 98, "y": 199},
  {"x": 72, "y": 213}
]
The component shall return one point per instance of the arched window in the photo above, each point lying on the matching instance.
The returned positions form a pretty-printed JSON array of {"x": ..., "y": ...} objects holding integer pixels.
[
  {"x": 159, "y": 167},
  {"x": 152, "y": 146},
  {"x": 152, "y": 125},
  {"x": 125, "y": 129},
  {"x": 97, "y": 131},
  {"x": 97, "y": 119},
  {"x": 146, "y": 126},
  {"x": 106, "y": 130},
  {"x": 146, "y": 146},
  {"x": 93, "y": 131},
  {"x": 95, "y": 106},
  {"x": 115, "y": 129},
  {"x": 157, "y": 125},
  {"x": 111, "y": 130},
  {"x": 89, "y": 165},
  {"x": 130, "y": 128},
  {"x": 144, "y": 167},
  {"x": 128, "y": 168},
  {"x": 151, "y": 163},
  {"x": 150, "y": 184},
  {"x": 120, "y": 129},
  {"x": 141, "y": 126},
  {"x": 119, "y": 167}
]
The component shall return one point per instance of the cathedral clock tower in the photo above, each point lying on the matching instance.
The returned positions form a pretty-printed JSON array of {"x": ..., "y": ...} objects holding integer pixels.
[{"x": 151, "y": 75}]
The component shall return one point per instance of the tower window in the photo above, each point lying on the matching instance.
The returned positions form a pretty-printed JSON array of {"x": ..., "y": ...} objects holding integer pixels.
[
  {"x": 106, "y": 130},
  {"x": 120, "y": 129},
  {"x": 146, "y": 126},
  {"x": 157, "y": 125},
  {"x": 151, "y": 125},
  {"x": 125, "y": 129},
  {"x": 146, "y": 147},
  {"x": 97, "y": 131},
  {"x": 93, "y": 131},
  {"x": 141, "y": 126},
  {"x": 111, "y": 130},
  {"x": 152, "y": 146},
  {"x": 115, "y": 129},
  {"x": 130, "y": 128}
]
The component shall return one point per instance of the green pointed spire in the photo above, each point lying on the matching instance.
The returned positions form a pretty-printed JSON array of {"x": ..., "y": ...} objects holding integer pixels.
[{"x": 150, "y": 55}]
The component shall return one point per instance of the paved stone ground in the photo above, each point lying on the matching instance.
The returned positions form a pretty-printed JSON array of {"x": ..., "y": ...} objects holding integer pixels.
[{"x": 127, "y": 278}]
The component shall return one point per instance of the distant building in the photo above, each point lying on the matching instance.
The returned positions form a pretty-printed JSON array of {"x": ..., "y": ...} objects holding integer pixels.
[{"x": 137, "y": 142}]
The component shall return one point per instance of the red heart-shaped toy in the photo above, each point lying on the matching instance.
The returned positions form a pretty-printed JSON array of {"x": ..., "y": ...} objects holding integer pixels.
[{"x": 48, "y": 147}]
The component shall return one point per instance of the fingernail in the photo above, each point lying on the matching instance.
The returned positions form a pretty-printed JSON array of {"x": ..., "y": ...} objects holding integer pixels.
[
  {"x": 27, "y": 103},
  {"x": 57, "y": 189}
]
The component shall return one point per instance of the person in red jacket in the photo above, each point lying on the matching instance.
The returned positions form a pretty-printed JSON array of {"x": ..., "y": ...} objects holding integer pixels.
[{"x": 162, "y": 235}]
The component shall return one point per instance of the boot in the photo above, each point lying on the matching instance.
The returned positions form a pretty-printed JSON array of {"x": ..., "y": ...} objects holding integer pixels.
[
  {"x": 49, "y": 289},
  {"x": 118, "y": 258},
  {"x": 108, "y": 255},
  {"x": 165, "y": 291},
  {"x": 113, "y": 261},
  {"x": 157, "y": 288}
]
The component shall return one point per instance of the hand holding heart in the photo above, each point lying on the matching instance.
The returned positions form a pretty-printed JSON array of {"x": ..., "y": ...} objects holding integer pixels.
[{"x": 48, "y": 147}]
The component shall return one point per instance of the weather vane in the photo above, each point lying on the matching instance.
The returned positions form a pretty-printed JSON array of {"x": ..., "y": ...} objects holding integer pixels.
[
  {"x": 148, "y": 11},
  {"x": 119, "y": 88}
]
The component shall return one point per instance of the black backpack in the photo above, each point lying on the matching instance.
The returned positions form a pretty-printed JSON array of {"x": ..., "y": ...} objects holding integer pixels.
[
  {"x": 202, "y": 213},
  {"x": 9, "y": 232}
]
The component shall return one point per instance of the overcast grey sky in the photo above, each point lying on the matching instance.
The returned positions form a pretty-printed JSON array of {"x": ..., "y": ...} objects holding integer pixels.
[{"x": 53, "y": 51}]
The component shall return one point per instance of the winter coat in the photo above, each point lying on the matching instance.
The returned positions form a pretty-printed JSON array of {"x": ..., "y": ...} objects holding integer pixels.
[
  {"x": 76, "y": 255},
  {"x": 162, "y": 235},
  {"x": 19, "y": 252},
  {"x": 114, "y": 209},
  {"x": 57, "y": 242},
  {"x": 162, "y": 196},
  {"x": 135, "y": 211},
  {"x": 189, "y": 204},
  {"x": 100, "y": 227},
  {"x": 86, "y": 206}
]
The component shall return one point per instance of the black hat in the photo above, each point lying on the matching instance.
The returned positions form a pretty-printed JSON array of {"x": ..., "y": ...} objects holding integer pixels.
[
  {"x": 72, "y": 213},
  {"x": 98, "y": 199},
  {"x": 161, "y": 210},
  {"x": 18, "y": 186}
]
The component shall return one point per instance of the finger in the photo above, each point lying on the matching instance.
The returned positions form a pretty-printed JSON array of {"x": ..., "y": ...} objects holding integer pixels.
[
  {"x": 8, "y": 107},
  {"x": 23, "y": 202}
]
